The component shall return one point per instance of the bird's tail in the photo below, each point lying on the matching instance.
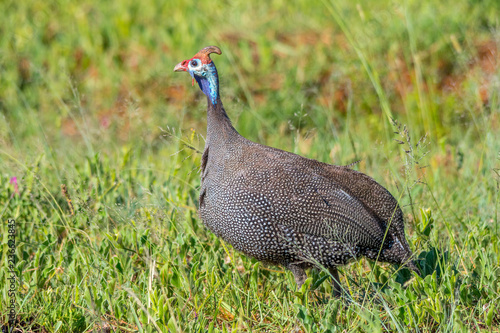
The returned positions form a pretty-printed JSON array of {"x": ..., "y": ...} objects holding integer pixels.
[
  {"x": 411, "y": 265},
  {"x": 401, "y": 254}
]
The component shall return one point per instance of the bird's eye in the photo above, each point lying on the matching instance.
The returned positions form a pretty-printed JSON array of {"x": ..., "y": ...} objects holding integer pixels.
[{"x": 194, "y": 63}]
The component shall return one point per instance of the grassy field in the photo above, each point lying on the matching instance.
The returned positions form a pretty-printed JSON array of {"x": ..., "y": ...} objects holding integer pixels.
[{"x": 100, "y": 148}]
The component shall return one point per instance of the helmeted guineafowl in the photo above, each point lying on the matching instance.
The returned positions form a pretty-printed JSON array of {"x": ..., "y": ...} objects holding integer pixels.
[{"x": 285, "y": 209}]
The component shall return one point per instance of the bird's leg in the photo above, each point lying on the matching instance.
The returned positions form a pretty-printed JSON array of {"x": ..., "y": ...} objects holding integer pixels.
[
  {"x": 336, "y": 281},
  {"x": 299, "y": 274}
]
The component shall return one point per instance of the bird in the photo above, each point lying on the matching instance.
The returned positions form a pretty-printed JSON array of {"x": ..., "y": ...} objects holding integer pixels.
[{"x": 284, "y": 209}]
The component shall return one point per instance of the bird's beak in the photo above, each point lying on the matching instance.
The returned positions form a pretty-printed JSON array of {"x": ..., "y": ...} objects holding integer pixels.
[{"x": 181, "y": 67}]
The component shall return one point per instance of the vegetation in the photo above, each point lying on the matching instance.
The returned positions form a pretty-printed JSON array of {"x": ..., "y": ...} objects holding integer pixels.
[{"x": 88, "y": 100}]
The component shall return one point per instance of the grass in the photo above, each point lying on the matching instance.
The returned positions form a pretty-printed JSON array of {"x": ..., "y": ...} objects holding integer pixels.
[{"x": 88, "y": 100}]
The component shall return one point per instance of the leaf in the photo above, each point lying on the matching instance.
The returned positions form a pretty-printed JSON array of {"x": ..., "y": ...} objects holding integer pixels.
[
  {"x": 175, "y": 280},
  {"x": 57, "y": 326},
  {"x": 490, "y": 313}
]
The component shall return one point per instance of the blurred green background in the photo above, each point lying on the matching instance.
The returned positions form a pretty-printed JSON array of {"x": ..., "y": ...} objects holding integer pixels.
[{"x": 88, "y": 99}]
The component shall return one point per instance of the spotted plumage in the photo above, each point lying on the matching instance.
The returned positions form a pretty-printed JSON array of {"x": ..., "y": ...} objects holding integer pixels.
[{"x": 285, "y": 209}]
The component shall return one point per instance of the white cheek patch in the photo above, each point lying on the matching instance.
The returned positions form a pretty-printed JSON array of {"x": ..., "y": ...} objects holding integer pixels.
[
  {"x": 196, "y": 68},
  {"x": 200, "y": 70}
]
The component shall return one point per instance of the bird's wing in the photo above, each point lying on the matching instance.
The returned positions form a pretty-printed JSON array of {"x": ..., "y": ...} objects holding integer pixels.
[
  {"x": 372, "y": 195},
  {"x": 328, "y": 210},
  {"x": 311, "y": 203}
]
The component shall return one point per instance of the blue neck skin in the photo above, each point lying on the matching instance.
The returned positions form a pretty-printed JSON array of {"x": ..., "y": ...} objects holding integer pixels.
[{"x": 208, "y": 81}]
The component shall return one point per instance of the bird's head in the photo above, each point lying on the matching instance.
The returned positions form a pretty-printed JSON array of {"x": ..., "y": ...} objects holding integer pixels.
[{"x": 202, "y": 69}]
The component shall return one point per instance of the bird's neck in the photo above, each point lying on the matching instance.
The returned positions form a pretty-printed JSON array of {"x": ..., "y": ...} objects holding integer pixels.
[
  {"x": 219, "y": 128},
  {"x": 220, "y": 131}
]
